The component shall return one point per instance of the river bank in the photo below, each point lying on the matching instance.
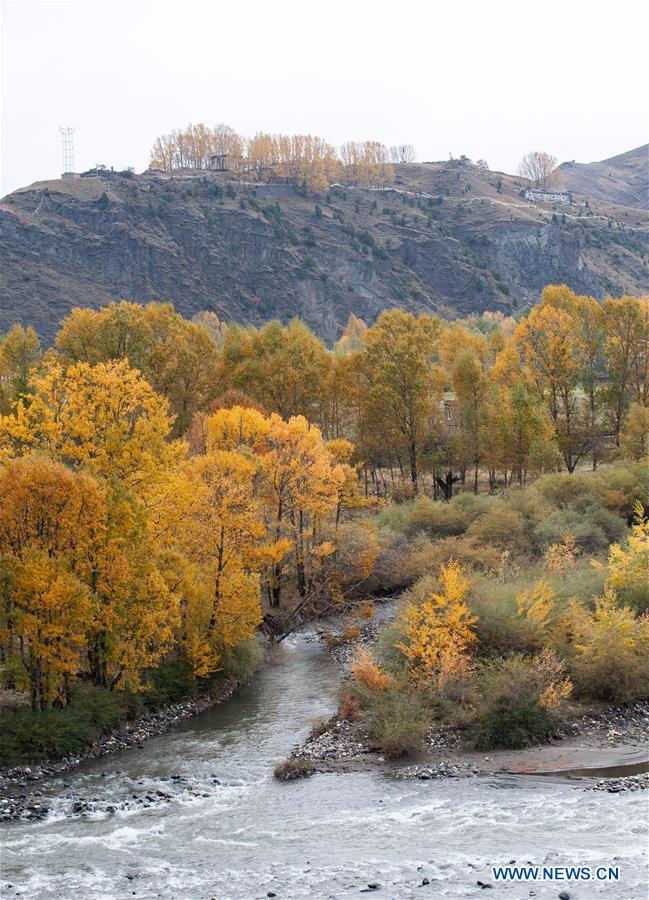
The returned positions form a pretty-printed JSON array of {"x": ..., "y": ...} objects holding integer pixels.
[
  {"x": 16, "y": 779},
  {"x": 590, "y": 740},
  {"x": 224, "y": 827}
]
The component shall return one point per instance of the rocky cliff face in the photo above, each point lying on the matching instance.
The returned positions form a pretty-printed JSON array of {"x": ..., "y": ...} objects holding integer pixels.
[{"x": 445, "y": 238}]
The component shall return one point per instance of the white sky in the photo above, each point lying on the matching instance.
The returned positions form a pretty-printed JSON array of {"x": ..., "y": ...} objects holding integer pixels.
[{"x": 488, "y": 79}]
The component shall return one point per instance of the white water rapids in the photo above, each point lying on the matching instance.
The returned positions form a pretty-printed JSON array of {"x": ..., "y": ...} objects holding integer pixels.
[{"x": 231, "y": 831}]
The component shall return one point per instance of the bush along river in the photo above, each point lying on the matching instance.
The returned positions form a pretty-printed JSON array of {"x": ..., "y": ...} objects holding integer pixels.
[{"x": 196, "y": 813}]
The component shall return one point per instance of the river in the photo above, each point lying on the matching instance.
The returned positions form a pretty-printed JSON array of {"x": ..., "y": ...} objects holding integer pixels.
[{"x": 229, "y": 830}]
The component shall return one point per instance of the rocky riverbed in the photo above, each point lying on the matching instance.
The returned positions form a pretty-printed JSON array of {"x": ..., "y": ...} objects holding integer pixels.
[
  {"x": 100, "y": 803},
  {"x": 626, "y": 783},
  {"x": 22, "y": 787}
]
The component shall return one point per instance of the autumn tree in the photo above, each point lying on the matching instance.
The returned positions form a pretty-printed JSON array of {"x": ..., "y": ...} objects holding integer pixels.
[
  {"x": 469, "y": 382},
  {"x": 105, "y": 417},
  {"x": 192, "y": 147},
  {"x": 135, "y": 607},
  {"x": 353, "y": 337},
  {"x": 404, "y": 386},
  {"x": 539, "y": 167},
  {"x": 301, "y": 486},
  {"x": 20, "y": 351},
  {"x": 177, "y": 357},
  {"x": 50, "y": 521},
  {"x": 626, "y": 327},
  {"x": 440, "y": 632},
  {"x": 366, "y": 163},
  {"x": 634, "y": 436},
  {"x": 552, "y": 351},
  {"x": 207, "y": 524},
  {"x": 588, "y": 318},
  {"x": 519, "y": 434},
  {"x": 228, "y": 526},
  {"x": 284, "y": 368}
]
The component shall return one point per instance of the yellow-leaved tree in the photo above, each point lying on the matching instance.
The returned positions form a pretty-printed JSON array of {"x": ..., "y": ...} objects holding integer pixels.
[
  {"x": 440, "y": 632},
  {"x": 224, "y": 534},
  {"x": 135, "y": 608},
  {"x": 612, "y": 651},
  {"x": 105, "y": 417},
  {"x": 50, "y": 521},
  {"x": 300, "y": 486},
  {"x": 537, "y": 605},
  {"x": 552, "y": 351},
  {"x": 628, "y": 562}
]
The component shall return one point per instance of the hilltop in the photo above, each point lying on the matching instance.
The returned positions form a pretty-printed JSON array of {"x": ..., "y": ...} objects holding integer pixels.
[
  {"x": 446, "y": 237},
  {"x": 621, "y": 179}
]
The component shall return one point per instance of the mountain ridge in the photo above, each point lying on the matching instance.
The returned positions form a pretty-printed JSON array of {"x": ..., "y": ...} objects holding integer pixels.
[
  {"x": 621, "y": 179},
  {"x": 448, "y": 238}
]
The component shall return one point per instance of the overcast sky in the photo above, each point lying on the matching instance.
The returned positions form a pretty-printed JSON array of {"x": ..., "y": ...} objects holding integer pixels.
[{"x": 491, "y": 80}]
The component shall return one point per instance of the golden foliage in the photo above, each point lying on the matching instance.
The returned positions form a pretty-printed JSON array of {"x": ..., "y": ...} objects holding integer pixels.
[
  {"x": 548, "y": 673},
  {"x": 367, "y": 673},
  {"x": 106, "y": 417},
  {"x": 612, "y": 646},
  {"x": 439, "y": 632},
  {"x": 628, "y": 563},
  {"x": 554, "y": 694},
  {"x": 560, "y": 557},
  {"x": 537, "y": 604},
  {"x": 177, "y": 358}
]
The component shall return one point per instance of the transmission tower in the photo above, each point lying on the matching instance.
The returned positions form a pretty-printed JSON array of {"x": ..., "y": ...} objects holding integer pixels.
[{"x": 67, "y": 148}]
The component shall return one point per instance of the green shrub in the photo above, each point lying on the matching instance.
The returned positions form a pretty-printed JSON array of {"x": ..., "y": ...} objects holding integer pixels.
[
  {"x": 456, "y": 700},
  {"x": 396, "y": 722},
  {"x": 613, "y": 526},
  {"x": 581, "y": 580},
  {"x": 589, "y": 536},
  {"x": 636, "y": 597},
  {"x": 396, "y": 718},
  {"x": 242, "y": 660},
  {"x": 27, "y": 736},
  {"x": 171, "y": 681},
  {"x": 620, "y": 486},
  {"x": 425, "y": 555},
  {"x": 424, "y": 515},
  {"x": 511, "y": 715},
  {"x": 500, "y": 629},
  {"x": 531, "y": 504},
  {"x": 568, "y": 491},
  {"x": 512, "y": 728},
  {"x": 501, "y": 527},
  {"x": 470, "y": 506},
  {"x": 388, "y": 655}
]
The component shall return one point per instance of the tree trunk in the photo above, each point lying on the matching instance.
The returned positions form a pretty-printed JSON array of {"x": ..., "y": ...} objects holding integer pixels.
[{"x": 413, "y": 466}]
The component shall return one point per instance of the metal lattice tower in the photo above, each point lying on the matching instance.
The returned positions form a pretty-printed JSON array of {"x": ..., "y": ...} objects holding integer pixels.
[{"x": 67, "y": 148}]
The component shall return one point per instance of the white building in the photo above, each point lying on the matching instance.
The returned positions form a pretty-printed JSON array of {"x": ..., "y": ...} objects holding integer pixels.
[{"x": 545, "y": 195}]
